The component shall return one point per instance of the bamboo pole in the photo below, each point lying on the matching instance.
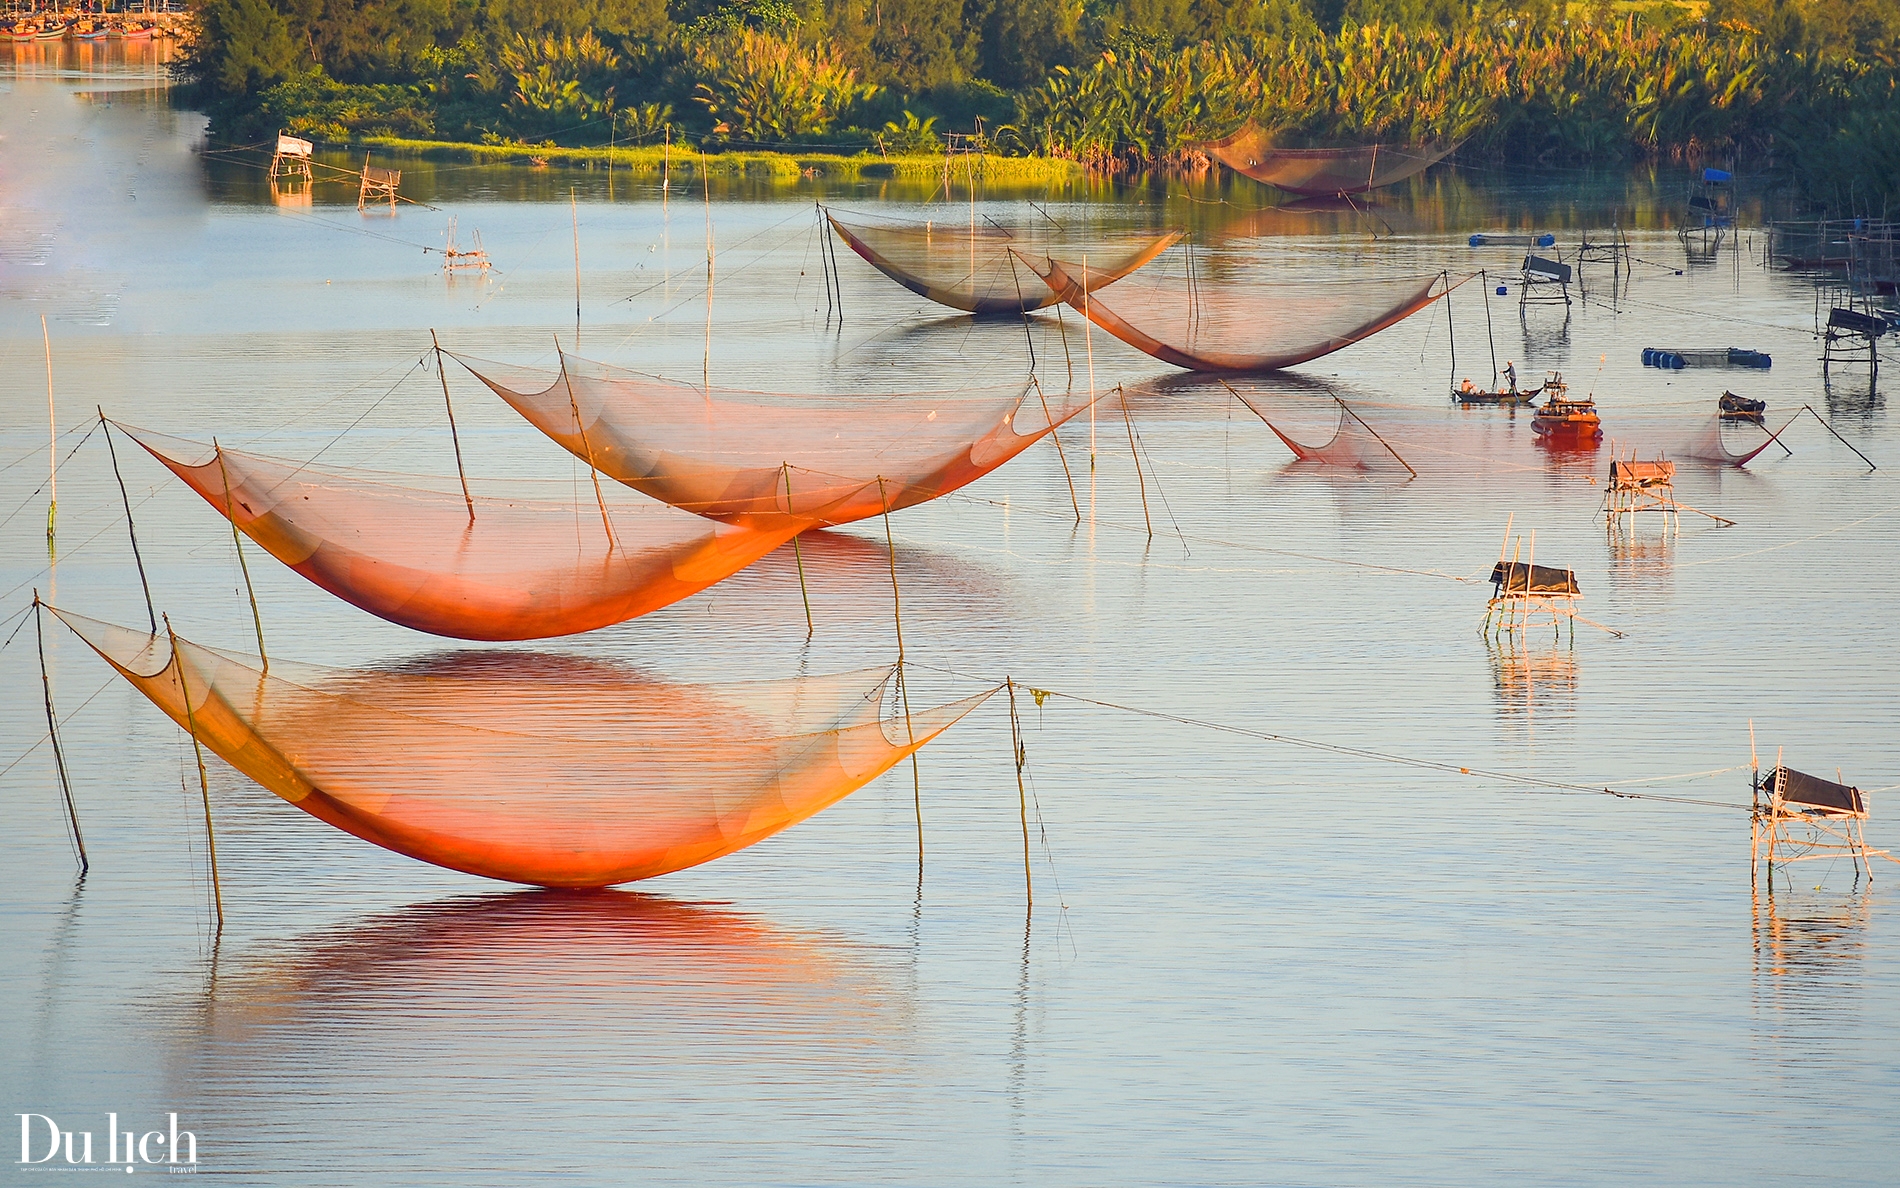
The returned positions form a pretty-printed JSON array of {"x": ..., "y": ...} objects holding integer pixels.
[
  {"x": 204, "y": 779},
  {"x": 1022, "y": 797},
  {"x": 797, "y": 554},
  {"x": 574, "y": 208},
  {"x": 706, "y": 188},
  {"x": 52, "y": 439},
  {"x": 903, "y": 690},
  {"x": 237, "y": 542},
  {"x": 52, "y": 732},
  {"x": 456, "y": 438},
  {"x": 1088, "y": 335},
  {"x": 137, "y": 560},
  {"x": 1050, "y": 420},
  {"x": 1130, "y": 425},
  {"x": 1375, "y": 434},
  {"x": 592, "y": 470}
]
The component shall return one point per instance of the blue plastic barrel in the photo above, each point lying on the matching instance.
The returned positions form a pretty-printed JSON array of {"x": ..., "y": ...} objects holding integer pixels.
[
  {"x": 1649, "y": 356},
  {"x": 1546, "y": 240},
  {"x": 1477, "y": 241},
  {"x": 1676, "y": 362},
  {"x": 1501, "y": 290}
]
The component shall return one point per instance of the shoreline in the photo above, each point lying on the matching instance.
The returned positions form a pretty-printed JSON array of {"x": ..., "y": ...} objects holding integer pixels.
[{"x": 654, "y": 161}]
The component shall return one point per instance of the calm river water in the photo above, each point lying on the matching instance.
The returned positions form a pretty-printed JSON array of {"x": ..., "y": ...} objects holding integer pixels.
[{"x": 1248, "y": 962}]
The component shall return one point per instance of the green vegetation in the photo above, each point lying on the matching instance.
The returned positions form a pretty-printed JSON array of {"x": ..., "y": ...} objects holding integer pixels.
[{"x": 1806, "y": 87}]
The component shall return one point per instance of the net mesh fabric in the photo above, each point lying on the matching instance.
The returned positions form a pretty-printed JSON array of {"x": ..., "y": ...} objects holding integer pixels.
[
  {"x": 1323, "y": 172},
  {"x": 522, "y": 569},
  {"x": 1352, "y": 444},
  {"x": 767, "y": 460},
  {"x": 1708, "y": 444},
  {"x": 541, "y": 769},
  {"x": 972, "y": 268},
  {"x": 1241, "y": 323}
]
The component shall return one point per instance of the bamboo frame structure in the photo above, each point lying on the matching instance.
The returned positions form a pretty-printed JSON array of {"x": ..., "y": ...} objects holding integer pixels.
[
  {"x": 291, "y": 159},
  {"x": 1521, "y": 596},
  {"x": 1825, "y": 830},
  {"x": 378, "y": 185},
  {"x": 1642, "y": 487}
]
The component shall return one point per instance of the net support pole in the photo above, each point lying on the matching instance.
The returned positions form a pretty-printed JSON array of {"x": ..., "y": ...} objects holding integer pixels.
[
  {"x": 797, "y": 554},
  {"x": 204, "y": 778},
  {"x": 454, "y": 437},
  {"x": 1022, "y": 796},
  {"x": 131, "y": 531},
  {"x": 237, "y": 542},
  {"x": 1347, "y": 409},
  {"x": 1074, "y": 502},
  {"x": 1088, "y": 336},
  {"x": 1817, "y": 416},
  {"x": 903, "y": 690},
  {"x": 1122, "y": 393},
  {"x": 705, "y": 185},
  {"x": 824, "y": 265},
  {"x": 1489, "y": 338},
  {"x": 59, "y": 752},
  {"x": 574, "y": 209},
  {"x": 52, "y": 439},
  {"x": 592, "y": 470},
  {"x": 1451, "y": 333}
]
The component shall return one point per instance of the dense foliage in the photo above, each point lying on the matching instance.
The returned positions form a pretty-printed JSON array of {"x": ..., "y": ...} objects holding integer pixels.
[{"x": 1807, "y": 85}]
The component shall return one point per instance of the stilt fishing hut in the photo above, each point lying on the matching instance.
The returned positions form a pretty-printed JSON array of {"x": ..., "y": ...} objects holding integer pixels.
[
  {"x": 1798, "y": 817},
  {"x": 1523, "y": 592},
  {"x": 378, "y": 185},
  {"x": 1642, "y": 487},
  {"x": 1544, "y": 282},
  {"x": 1849, "y": 334},
  {"x": 292, "y": 159}
]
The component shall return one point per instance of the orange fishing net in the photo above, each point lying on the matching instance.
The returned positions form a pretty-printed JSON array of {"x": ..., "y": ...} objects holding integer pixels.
[
  {"x": 1323, "y": 172},
  {"x": 1243, "y": 322},
  {"x": 970, "y": 267},
  {"x": 519, "y": 569},
  {"x": 542, "y": 769},
  {"x": 1354, "y": 443},
  {"x": 769, "y": 460},
  {"x": 1710, "y": 442}
]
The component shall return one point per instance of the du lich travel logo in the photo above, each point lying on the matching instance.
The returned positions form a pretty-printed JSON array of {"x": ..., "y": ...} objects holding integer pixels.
[{"x": 47, "y": 1143}]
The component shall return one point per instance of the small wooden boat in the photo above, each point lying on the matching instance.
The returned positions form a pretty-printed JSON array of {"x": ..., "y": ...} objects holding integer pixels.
[
  {"x": 51, "y": 33},
  {"x": 141, "y": 33},
  {"x": 1740, "y": 408},
  {"x": 1509, "y": 395},
  {"x": 21, "y": 33}
]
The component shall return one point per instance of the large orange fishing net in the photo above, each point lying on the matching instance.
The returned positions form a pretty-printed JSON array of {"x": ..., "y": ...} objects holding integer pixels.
[
  {"x": 514, "y": 568},
  {"x": 768, "y": 460},
  {"x": 1242, "y": 321},
  {"x": 1323, "y": 172},
  {"x": 970, "y": 267},
  {"x": 542, "y": 769}
]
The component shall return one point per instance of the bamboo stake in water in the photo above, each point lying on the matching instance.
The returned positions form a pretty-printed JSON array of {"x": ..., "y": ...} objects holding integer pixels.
[
  {"x": 897, "y": 615},
  {"x": 592, "y": 470},
  {"x": 1088, "y": 336},
  {"x": 1022, "y": 797},
  {"x": 137, "y": 560},
  {"x": 52, "y": 440},
  {"x": 204, "y": 779},
  {"x": 798, "y": 555},
  {"x": 706, "y": 187},
  {"x": 237, "y": 541},
  {"x": 1074, "y": 503},
  {"x": 1137, "y": 457},
  {"x": 59, "y": 753},
  {"x": 454, "y": 437},
  {"x": 574, "y": 208}
]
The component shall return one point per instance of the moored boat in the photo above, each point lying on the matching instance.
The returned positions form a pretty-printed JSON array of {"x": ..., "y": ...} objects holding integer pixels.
[
  {"x": 1731, "y": 407},
  {"x": 51, "y": 33},
  {"x": 1509, "y": 395}
]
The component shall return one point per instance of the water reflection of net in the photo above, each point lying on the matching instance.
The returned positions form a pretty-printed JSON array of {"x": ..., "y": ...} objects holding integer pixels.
[
  {"x": 1317, "y": 172},
  {"x": 538, "y": 769},
  {"x": 1240, "y": 322},
  {"x": 972, "y": 268},
  {"x": 518, "y": 568}
]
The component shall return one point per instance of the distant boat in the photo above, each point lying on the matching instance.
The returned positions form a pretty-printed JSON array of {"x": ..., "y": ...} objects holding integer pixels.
[
  {"x": 97, "y": 33},
  {"x": 142, "y": 33},
  {"x": 51, "y": 33}
]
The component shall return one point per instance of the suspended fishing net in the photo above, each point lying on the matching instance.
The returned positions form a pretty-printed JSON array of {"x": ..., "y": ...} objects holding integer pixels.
[
  {"x": 1317, "y": 172},
  {"x": 1710, "y": 442},
  {"x": 540, "y": 769},
  {"x": 768, "y": 460},
  {"x": 1244, "y": 323},
  {"x": 1354, "y": 443},
  {"x": 520, "y": 569},
  {"x": 972, "y": 269}
]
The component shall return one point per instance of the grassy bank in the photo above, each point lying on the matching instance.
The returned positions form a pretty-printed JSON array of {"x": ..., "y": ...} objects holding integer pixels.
[{"x": 655, "y": 162}]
